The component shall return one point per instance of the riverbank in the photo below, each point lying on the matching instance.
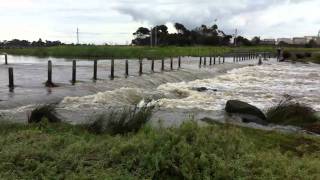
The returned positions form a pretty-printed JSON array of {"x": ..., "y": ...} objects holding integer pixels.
[
  {"x": 220, "y": 151},
  {"x": 120, "y": 52}
]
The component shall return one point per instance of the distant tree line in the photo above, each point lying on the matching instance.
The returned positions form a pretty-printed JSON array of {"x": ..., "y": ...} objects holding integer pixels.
[
  {"x": 16, "y": 43},
  {"x": 202, "y": 35}
]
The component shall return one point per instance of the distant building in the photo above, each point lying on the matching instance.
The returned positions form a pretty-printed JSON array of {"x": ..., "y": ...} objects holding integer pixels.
[
  {"x": 285, "y": 40},
  {"x": 317, "y": 39},
  {"x": 309, "y": 38},
  {"x": 299, "y": 40},
  {"x": 268, "y": 42}
]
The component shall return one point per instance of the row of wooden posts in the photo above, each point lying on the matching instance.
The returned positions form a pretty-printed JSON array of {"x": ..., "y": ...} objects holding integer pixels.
[{"x": 202, "y": 63}]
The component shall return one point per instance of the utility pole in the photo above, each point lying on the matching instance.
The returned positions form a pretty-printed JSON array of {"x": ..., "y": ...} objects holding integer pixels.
[
  {"x": 151, "y": 37},
  {"x": 78, "y": 42},
  {"x": 156, "y": 36},
  {"x": 235, "y": 37}
]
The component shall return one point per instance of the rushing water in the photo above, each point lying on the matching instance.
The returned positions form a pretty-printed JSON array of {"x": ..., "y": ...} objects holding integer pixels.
[{"x": 173, "y": 93}]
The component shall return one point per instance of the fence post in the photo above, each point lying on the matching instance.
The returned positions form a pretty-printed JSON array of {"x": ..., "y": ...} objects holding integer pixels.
[
  {"x": 112, "y": 69},
  {"x": 140, "y": 67},
  {"x": 11, "y": 80},
  {"x": 95, "y": 69},
  {"x": 171, "y": 63},
  {"x": 179, "y": 62},
  {"x": 214, "y": 60},
  {"x": 49, "y": 82},
  {"x": 200, "y": 62},
  {"x": 260, "y": 60},
  {"x": 152, "y": 65},
  {"x": 210, "y": 63},
  {"x": 127, "y": 68},
  {"x": 205, "y": 61},
  {"x": 224, "y": 59},
  {"x": 162, "y": 64},
  {"x": 74, "y": 72},
  {"x": 6, "y": 58}
]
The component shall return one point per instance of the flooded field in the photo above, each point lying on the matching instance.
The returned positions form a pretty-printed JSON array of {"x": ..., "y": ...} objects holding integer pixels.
[{"x": 174, "y": 93}]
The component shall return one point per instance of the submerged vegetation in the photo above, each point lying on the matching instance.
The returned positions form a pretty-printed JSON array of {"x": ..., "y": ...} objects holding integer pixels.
[
  {"x": 302, "y": 55},
  {"x": 290, "y": 112},
  {"x": 42, "y": 112},
  {"x": 122, "y": 121}
]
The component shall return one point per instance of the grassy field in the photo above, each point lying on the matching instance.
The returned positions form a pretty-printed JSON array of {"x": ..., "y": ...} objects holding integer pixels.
[
  {"x": 131, "y": 52},
  {"x": 62, "y": 151}
]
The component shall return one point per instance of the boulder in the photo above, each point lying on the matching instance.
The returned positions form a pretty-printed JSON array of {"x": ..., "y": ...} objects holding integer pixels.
[
  {"x": 204, "y": 89},
  {"x": 247, "y": 112}
]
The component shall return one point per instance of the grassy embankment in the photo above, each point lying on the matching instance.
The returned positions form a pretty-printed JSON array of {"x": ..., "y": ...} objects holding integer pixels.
[
  {"x": 131, "y": 52},
  {"x": 303, "y": 55},
  {"x": 62, "y": 151},
  {"x": 158, "y": 52}
]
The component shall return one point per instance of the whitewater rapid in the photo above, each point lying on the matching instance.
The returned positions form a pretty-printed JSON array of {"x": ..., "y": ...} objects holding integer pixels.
[{"x": 176, "y": 98}]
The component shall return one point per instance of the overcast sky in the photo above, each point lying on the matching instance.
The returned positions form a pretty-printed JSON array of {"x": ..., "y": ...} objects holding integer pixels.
[{"x": 114, "y": 21}]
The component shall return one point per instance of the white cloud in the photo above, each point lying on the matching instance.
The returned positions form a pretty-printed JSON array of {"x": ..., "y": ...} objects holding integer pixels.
[{"x": 115, "y": 20}]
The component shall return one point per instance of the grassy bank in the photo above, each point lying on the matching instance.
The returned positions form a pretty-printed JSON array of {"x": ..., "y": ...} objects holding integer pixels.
[
  {"x": 218, "y": 151},
  {"x": 130, "y": 51}
]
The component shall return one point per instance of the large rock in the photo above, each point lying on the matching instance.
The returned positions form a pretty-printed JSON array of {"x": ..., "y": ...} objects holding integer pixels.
[
  {"x": 247, "y": 112},
  {"x": 203, "y": 89}
]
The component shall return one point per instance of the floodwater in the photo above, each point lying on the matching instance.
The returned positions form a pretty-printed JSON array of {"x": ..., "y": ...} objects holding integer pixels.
[{"x": 172, "y": 92}]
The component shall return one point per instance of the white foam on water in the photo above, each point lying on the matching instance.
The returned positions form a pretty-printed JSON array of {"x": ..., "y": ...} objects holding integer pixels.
[{"x": 262, "y": 86}]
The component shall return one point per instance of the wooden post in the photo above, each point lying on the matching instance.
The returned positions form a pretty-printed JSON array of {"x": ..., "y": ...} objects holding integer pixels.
[
  {"x": 152, "y": 65},
  {"x": 95, "y": 69},
  {"x": 179, "y": 62},
  {"x": 11, "y": 80},
  {"x": 171, "y": 63},
  {"x": 200, "y": 62},
  {"x": 210, "y": 63},
  {"x": 140, "y": 67},
  {"x": 214, "y": 60},
  {"x": 260, "y": 60},
  {"x": 205, "y": 61},
  {"x": 6, "y": 58},
  {"x": 74, "y": 72},
  {"x": 127, "y": 68},
  {"x": 224, "y": 59},
  {"x": 234, "y": 58},
  {"x": 49, "y": 82},
  {"x": 162, "y": 64},
  {"x": 112, "y": 69}
]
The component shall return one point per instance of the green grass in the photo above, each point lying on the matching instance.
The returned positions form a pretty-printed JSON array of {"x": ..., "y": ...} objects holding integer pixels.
[
  {"x": 131, "y": 52},
  {"x": 63, "y": 151},
  {"x": 315, "y": 55},
  {"x": 291, "y": 112}
]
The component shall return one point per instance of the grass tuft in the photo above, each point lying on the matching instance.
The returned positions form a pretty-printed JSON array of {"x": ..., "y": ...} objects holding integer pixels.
[
  {"x": 122, "y": 121},
  {"x": 47, "y": 112},
  {"x": 289, "y": 112}
]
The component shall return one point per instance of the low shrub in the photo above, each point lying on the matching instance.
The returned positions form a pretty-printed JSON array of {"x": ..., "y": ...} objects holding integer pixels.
[
  {"x": 47, "y": 112},
  {"x": 288, "y": 112},
  {"x": 122, "y": 121},
  {"x": 300, "y": 56},
  {"x": 286, "y": 55},
  {"x": 308, "y": 54}
]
